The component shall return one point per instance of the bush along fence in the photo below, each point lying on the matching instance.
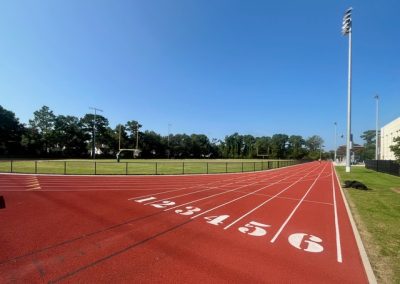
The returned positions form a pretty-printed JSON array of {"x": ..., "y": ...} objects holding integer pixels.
[
  {"x": 138, "y": 168},
  {"x": 384, "y": 166}
]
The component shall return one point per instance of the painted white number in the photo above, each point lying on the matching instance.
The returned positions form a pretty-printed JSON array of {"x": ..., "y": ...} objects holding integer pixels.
[
  {"x": 189, "y": 210},
  {"x": 216, "y": 220},
  {"x": 258, "y": 229},
  {"x": 163, "y": 204},
  {"x": 145, "y": 199},
  {"x": 312, "y": 242}
]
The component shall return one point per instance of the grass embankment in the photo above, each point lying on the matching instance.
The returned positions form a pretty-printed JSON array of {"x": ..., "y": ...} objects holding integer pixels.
[
  {"x": 377, "y": 214},
  {"x": 135, "y": 167}
]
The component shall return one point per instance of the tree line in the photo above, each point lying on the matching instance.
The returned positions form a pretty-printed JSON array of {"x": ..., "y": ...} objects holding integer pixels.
[{"x": 63, "y": 136}]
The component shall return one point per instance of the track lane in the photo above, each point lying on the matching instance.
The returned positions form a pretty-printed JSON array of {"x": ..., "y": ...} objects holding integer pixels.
[{"x": 157, "y": 245}]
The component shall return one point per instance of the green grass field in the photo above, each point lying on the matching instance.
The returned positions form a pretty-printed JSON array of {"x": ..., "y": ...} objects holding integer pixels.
[
  {"x": 377, "y": 214},
  {"x": 138, "y": 167}
]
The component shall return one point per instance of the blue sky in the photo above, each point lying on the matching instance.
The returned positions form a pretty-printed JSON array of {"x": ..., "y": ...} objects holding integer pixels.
[{"x": 212, "y": 67}]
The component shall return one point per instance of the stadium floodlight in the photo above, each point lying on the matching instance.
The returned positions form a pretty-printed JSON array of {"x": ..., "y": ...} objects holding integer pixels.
[
  {"x": 377, "y": 127},
  {"x": 347, "y": 30},
  {"x": 94, "y": 131}
]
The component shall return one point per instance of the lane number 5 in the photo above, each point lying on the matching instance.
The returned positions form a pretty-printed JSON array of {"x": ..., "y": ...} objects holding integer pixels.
[{"x": 254, "y": 229}]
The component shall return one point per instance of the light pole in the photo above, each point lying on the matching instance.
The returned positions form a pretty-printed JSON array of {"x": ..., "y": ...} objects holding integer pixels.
[
  {"x": 119, "y": 138},
  {"x": 335, "y": 123},
  {"x": 320, "y": 152},
  {"x": 169, "y": 131},
  {"x": 347, "y": 30},
  {"x": 94, "y": 131},
  {"x": 137, "y": 135},
  {"x": 377, "y": 127}
]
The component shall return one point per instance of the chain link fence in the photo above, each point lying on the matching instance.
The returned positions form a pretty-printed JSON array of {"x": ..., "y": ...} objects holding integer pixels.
[{"x": 138, "y": 168}]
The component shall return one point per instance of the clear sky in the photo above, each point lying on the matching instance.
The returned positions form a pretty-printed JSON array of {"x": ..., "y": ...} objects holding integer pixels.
[{"x": 213, "y": 67}]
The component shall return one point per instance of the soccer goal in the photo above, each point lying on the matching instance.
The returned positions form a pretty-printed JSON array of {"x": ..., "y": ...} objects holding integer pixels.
[
  {"x": 136, "y": 153},
  {"x": 263, "y": 155}
]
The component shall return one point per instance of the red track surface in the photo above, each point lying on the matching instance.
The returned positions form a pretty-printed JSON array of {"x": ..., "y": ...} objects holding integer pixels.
[{"x": 286, "y": 225}]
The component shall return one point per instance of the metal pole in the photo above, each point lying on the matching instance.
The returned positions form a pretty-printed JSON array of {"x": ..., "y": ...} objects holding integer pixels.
[
  {"x": 320, "y": 152},
  {"x": 348, "y": 166},
  {"x": 137, "y": 135},
  {"x": 94, "y": 136},
  {"x": 119, "y": 138},
  {"x": 94, "y": 131},
  {"x": 335, "y": 141},
  {"x": 169, "y": 131},
  {"x": 376, "y": 131}
]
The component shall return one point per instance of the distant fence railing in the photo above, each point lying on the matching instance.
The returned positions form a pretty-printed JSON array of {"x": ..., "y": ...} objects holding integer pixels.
[
  {"x": 137, "y": 168},
  {"x": 384, "y": 166}
]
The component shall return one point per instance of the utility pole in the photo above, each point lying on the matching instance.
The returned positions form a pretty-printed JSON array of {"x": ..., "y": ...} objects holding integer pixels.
[
  {"x": 169, "y": 131},
  {"x": 347, "y": 30},
  {"x": 335, "y": 123},
  {"x": 137, "y": 135},
  {"x": 320, "y": 152},
  {"x": 119, "y": 138},
  {"x": 377, "y": 128},
  {"x": 94, "y": 131}
]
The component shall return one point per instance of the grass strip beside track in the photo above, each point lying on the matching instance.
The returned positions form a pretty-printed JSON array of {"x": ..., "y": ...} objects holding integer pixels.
[
  {"x": 138, "y": 167},
  {"x": 377, "y": 214}
]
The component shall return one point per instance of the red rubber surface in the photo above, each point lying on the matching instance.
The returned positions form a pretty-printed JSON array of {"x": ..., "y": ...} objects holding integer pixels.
[{"x": 281, "y": 228}]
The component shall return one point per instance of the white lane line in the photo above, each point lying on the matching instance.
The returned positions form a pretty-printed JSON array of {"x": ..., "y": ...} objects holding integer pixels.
[
  {"x": 210, "y": 188},
  {"x": 183, "y": 188},
  {"x": 360, "y": 245},
  {"x": 268, "y": 176},
  {"x": 216, "y": 187},
  {"x": 224, "y": 192},
  {"x": 338, "y": 244},
  {"x": 290, "y": 198},
  {"x": 295, "y": 209},
  {"x": 268, "y": 200},
  {"x": 243, "y": 196}
]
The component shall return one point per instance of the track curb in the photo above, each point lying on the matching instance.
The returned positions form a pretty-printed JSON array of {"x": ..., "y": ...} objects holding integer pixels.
[{"x": 364, "y": 257}]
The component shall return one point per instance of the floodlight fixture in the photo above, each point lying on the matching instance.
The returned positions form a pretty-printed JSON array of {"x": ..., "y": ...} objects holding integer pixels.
[{"x": 347, "y": 22}]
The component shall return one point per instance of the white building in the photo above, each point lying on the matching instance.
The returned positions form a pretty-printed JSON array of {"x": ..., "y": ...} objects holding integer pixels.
[{"x": 388, "y": 133}]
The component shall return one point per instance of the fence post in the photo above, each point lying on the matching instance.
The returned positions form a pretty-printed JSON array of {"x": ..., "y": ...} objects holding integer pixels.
[
  {"x": 254, "y": 166},
  {"x": 156, "y": 168},
  {"x": 126, "y": 168},
  {"x": 35, "y": 167},
  {"x": 65, "y": 167},
  {"x": 262, "y": 165},
  {"x": 226, "y": 167},
  {"x": 207, "y": 167},
  {"x": 11, "y": 166},
  {"x": 183, "y": 168},
  {"x": 95, "y": 168},
  {"x": 242, "y": 167}
]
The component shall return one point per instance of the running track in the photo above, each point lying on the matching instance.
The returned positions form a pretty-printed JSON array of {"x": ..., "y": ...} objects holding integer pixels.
[{"x": 285, "y": 225}]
